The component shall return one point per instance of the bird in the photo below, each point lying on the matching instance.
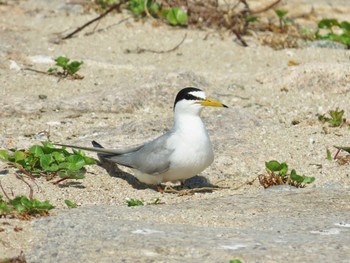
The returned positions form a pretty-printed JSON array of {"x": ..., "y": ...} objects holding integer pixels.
[{"x": 179, "y": 154}]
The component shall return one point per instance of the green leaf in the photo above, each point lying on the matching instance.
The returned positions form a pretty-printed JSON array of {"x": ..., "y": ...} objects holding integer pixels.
[
  {"x": 47, "y": 144},
  {"x": 70, "y": 204},
  {"x": 45, "y": 161},
  {"x": 273, "y": 166},
  {"x": 23, "y": 205},
  {"x": 295, "y": 177},
  {"x": 251, "y": 19},
  {"x": 301, "y": 179},
  {"x": 345, "y": 25},
  {"x": 74, "y": 67},
  {"x": 52, "y": 168},
  {"x": 4, "y": 155},
  {"x": 308, "y": 179},
  {"x": 280, "y": 13},
  {"x": 76, "y": 162},
  {"x": 59, "y": 157},
  {"x": 5, "y": 208},
  {"x": 19, "y": 156},
  {"x": 177, "y": 16},
  {"x": 283, "y": 169},
  {"x": 235, "y": 261},
  {"x": 52, "y": 70},
  {"x": 36, "y": 150},
  {"x": 62, "y": 61},
  {"x": 328, "y": 23},
  {"x": 134, "y": 202},
  {"x": 138, "y": 7}
]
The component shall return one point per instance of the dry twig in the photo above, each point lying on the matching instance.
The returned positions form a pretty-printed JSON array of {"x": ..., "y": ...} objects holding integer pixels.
[
  {"x": 139, "y": 50},
  {"x": 113, "y": 7}
]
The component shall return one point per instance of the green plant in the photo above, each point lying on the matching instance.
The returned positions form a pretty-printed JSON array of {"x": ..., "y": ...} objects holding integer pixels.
[
  {"x": 105, "y": 3},
  {"x": 22, "y": 206},
  {"x": 138, "y": 7},
  {"x": 135, "y": 202},
  {"x": 49, "y": 161},
  {"x": 70, "y": 204},
  {"x": 283, "y": 21},
  {"x": 175, "y": 16},
  {"x": 277, "y": 174},
  {"x": 336, "y": 118},
  {"x": 341, "y": 34},
  {"x": 329, "y": 155},
  {"x": 17, "y": 259},
  {"x": 235, "y": 261},
  {"x": 156, "y": 201},
  {"x": 68, "y": 68}
]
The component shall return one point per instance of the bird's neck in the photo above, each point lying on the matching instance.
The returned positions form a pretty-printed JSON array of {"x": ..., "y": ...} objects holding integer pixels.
[{"x": 188, "y": 123}]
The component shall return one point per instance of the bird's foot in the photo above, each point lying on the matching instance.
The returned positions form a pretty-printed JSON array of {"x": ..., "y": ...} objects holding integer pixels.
[{"x": 161, "y": 188}]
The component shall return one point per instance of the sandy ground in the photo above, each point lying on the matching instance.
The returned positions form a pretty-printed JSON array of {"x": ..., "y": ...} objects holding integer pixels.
[{"x": 126, "y": 99}]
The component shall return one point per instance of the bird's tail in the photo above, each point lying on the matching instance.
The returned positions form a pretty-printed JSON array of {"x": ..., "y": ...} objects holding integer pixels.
[{"x": 98, "y": 148}]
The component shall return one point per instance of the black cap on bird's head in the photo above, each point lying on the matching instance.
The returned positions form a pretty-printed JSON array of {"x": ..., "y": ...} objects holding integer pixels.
[{"x": 197, "y": 96}]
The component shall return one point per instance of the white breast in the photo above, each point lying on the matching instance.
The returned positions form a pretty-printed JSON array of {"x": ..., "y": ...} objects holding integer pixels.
[{"x": 193, "y": 150}]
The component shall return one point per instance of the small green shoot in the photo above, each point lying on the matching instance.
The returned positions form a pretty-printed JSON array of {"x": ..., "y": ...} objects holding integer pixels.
[
  {"x": 67, "y": 68},
  {"x": 70, "y": 204},
  {"x": 335, "y": 31},
  {"x": 156, "y": 201},
  {"x": 23, "y": 208},
  {"x": 335, "y": 118},
  {"x": 135, "y": 202},
  {"x": 329, "y": 155},
  {"x": 277, "y": 174},
  {"x": 283, "y": 21},
  {"x": 48, "y": 161},
  {"x": 235, "y": 261}
]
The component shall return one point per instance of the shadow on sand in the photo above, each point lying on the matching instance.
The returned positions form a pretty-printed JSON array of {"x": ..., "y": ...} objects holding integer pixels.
[{"x": 196, "y": 182}]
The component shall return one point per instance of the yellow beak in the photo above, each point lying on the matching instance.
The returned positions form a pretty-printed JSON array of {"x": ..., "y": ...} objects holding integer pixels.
[{"x": 213, "y": 103}]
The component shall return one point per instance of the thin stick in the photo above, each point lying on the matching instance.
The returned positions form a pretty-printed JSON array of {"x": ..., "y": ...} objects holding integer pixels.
[
  {"x": 139, "y": 50},
  {"x": 60, "y": 180},
  {"x": 21, "y": 168},
  {"x": 37, "y": 71},
  {"x": 115, "y": 6},
  {"x": 266, "y": 8},
  {"x": 336, "y": 154},
  {"x": 240, "y": 38},
  {"x": 4, "y": 192},
  {"x": 30, "y": 187}
]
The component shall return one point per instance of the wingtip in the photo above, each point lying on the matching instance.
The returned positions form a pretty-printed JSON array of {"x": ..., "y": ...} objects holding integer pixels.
[{"x": 96, "y": 144}]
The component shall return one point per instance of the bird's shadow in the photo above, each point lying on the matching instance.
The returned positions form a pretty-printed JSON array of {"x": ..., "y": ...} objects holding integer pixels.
[
  {"x": 196, "y": 182},
  {"x": 114, "y": 171}
]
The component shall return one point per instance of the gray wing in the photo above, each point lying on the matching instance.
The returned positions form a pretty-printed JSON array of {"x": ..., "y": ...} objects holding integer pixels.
[{"x": 152, "y": 158}]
